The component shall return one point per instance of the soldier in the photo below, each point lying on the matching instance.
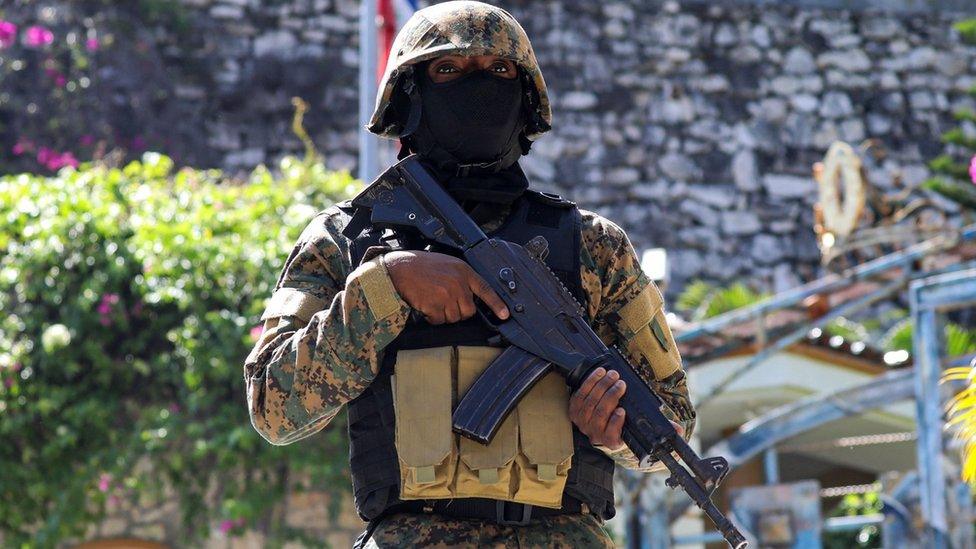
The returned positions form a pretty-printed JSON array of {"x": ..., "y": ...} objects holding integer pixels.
[{"x": 392, "y": 333}]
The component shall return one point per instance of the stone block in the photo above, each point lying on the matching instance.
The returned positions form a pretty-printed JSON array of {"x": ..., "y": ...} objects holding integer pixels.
[
  {"x": 788, "y": 186},
  {"x": 577, "y": 100},
  {"x": 622, "y": 176},
  {"x": 836, "y": 104},
  {"x": 720, "y": 197},
  {"x": 739, "y": 223},
  {"x": 767, "y": 249},
  {"x": 805, "y": 102},
  {"x": 699, "y": 212},
  {"x": 744, "y": 171},
  {"x": 760, "y": 36},
  {"x": 279, "y": 43},
  {"x": 850, "y": 61},
  {"x": 223, "y": 11},
  {"x": 799, "y": 61},
  {"x": 678, "y": 167}
]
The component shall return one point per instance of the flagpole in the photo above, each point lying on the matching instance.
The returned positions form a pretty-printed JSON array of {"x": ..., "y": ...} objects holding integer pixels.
[{"x": 368, "y": 162}]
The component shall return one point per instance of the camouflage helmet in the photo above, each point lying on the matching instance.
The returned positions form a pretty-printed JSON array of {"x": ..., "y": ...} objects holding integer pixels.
[{"x": 458, "y": 28}]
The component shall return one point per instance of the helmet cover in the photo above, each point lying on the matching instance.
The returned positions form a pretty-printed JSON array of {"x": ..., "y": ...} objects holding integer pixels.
[{"x": 464, "y": 28}]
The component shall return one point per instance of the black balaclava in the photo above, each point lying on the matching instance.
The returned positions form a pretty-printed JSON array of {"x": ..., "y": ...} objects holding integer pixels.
[{"x": 470, "y": 131}]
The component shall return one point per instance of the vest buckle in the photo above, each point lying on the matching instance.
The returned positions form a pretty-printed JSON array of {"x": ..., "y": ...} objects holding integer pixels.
[{"x": 506, "y": 513}]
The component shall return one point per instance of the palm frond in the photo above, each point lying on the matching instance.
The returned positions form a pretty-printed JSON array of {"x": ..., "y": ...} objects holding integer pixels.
[
  {"x": 733, "y": 297},
  {"x": 693, "y": 296},
  {"x": 898, "y": 337}
]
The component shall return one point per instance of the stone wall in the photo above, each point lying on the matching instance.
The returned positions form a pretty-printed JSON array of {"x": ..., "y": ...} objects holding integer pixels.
[{"x": 692, "y": 124}]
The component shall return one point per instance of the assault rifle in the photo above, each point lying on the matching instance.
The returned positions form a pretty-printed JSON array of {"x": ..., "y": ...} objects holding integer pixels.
[{"x": 546, "y": 329}]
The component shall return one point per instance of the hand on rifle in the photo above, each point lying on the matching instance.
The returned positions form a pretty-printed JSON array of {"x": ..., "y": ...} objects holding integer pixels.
[
  {"x": 440, "y": 286},
  {"x": 595, "y": 411}
]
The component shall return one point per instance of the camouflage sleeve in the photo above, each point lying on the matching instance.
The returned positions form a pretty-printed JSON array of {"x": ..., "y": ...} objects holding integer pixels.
[
  {"x": 324, "y": 331},
  {"x": 627, "y": 310}
]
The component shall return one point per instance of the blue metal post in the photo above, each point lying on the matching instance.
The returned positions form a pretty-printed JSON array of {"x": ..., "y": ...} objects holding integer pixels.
[
  {"x": 368, "y": 162},
  {"x": 929, "y": 298},
  {"x": 929, "y": 419},
  {"x": 771, "y": 465}
]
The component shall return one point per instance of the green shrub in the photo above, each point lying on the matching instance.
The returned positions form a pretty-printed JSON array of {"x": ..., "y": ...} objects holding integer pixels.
[
  {"x": 131, "y": 297},
  {"x": 703, "y": 300}
]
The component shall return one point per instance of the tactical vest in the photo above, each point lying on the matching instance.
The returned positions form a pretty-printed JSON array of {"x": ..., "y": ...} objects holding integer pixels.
[{"x": 374, "y": 462}]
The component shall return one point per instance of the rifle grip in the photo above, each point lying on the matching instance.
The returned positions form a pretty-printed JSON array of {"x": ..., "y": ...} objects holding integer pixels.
[{"x": 496, "y": 392}]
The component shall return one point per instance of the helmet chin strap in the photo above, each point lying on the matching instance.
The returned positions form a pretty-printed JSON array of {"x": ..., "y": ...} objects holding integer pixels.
[{"x": 412, "y": 90}]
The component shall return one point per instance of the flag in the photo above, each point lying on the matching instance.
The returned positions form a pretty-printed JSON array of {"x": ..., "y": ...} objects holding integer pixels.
[{"x": 391, "y": 15}]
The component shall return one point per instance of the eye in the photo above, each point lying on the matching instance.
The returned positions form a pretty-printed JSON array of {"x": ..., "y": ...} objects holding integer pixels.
[
  {"x": 446, "y": 68},
  {"x": 500, "y": 67}
]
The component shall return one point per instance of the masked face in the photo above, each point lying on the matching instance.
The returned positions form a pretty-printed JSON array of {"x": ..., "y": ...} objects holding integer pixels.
[{"x": 475, "y": 118}]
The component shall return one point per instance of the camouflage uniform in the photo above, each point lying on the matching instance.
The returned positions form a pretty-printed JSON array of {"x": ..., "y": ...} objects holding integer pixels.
[
  {"x": 563, "y": 532},
  {"x": 308, "y": 364},
  {"x": 328, "y": 321}
]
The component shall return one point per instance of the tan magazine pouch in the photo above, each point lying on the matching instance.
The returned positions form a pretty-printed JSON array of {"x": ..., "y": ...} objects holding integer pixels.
[
  {"x": 644, "y": 327},
  {"x": 546, "y": 437},
  {"x": 484, "y": 471},
  {"x": 422, "y": 385},
  {"x": 527, "y": 461}
]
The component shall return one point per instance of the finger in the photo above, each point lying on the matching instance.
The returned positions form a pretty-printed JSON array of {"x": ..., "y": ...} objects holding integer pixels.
[
  {"x": 615, "y": 428},
  {"x": 576, "y": 403},
  {"x": 435, "y": 317},
  {"x": 590, "y": 382},
  {"x": 607, "y": 404},
  {"x": 486, "y": 294},
  {"x": 452, "y": 312},
  {"x": 593, "y": 399},
  {"x": 466, "y": 307}
]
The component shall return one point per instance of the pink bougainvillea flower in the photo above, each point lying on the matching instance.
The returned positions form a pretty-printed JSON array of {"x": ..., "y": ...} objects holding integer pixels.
[
  {"x": 54, "y": 160},
  {"x": 104, "y": 482},
  {"x": 105, "y": 304},
  {"x": 226, "y": 526},
  {"x": 60, "y": 80},
  {"x": 23, "y": 146},
  {"x": 45, "y": 155},
  {"x": 38, "y": 37},
  {"x": 8, "y": 34},
  {"x": 91, "y": 44},
  {"x": 256, "y": 332},
  {"x": 108, "y": 301},
  {"x": 972, "y": 169}
]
